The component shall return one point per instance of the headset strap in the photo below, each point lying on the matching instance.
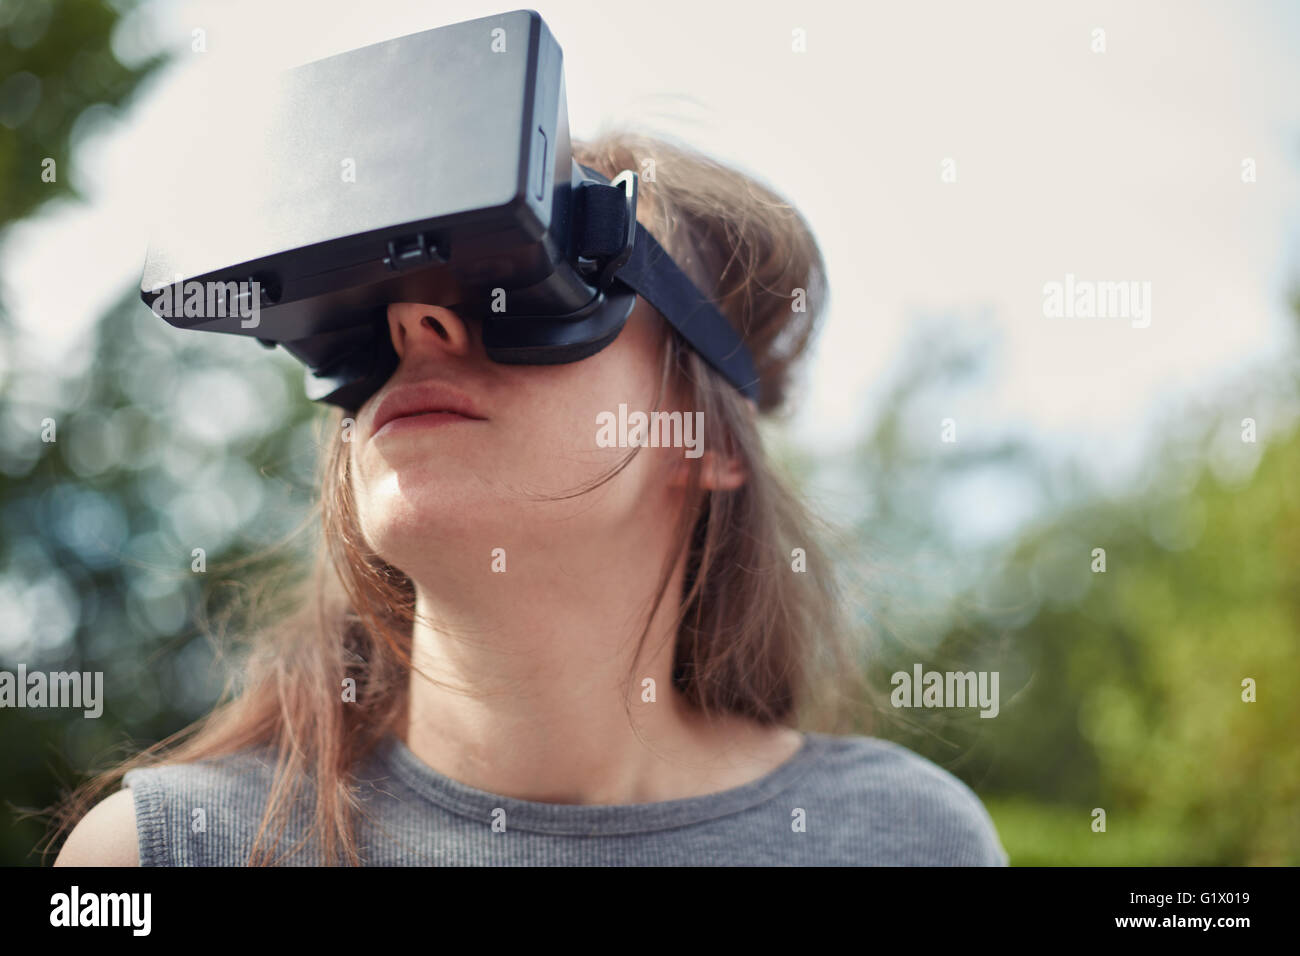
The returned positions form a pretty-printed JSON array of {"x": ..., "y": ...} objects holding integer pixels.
[{"x": 651, "y": 272}]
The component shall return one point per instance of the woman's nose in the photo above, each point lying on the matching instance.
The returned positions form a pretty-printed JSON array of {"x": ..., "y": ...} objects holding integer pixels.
[{"x": 426, "y": 329}]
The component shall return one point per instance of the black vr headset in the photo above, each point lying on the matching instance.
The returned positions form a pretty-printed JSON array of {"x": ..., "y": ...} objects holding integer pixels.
[{"x": 432, "y": 168}]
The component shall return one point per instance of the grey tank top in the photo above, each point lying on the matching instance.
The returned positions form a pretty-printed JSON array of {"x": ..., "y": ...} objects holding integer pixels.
[{"x": 838, "y": 801}]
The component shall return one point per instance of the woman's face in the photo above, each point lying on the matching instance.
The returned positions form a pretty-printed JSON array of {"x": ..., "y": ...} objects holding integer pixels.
[{"x": 479, "y": 479}]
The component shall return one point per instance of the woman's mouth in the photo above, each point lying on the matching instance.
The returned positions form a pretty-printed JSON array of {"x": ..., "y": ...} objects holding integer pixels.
[
  {"x": 418, "y": 420},
  {"x": 423, "y": 405}
]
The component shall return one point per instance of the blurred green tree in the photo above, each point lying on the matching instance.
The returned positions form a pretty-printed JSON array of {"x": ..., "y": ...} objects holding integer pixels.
[
  {"x": 168, "y": 442},
  {"x": 56, "y": 66},
  {"x": 57, "y": 62},
  {"x": 1124, "y": 690}
]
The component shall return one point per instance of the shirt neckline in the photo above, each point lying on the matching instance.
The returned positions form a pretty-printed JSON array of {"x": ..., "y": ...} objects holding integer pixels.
[{"x": 393, "y": 755}]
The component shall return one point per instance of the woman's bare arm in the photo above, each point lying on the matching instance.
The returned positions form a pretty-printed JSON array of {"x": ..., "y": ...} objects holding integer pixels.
[{"x": 106, "y": 836}]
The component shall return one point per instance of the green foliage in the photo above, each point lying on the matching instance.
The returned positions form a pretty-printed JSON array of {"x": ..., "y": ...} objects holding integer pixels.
[
  {"x": 1123, "y": 690},
  {"x": 57, "y": 66},
  {"x": 57, "y": 63},
  {"x": 1049, "y": 834},
  {"x": 170, "y": 441}
]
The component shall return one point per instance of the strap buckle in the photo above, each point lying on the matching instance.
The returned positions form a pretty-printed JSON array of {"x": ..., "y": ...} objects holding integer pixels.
[
  {"x": 606, "y": 226},
  {"x": 628, "y": 181}
]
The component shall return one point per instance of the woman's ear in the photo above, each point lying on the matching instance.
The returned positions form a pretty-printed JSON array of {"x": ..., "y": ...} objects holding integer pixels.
[
  {"x": 719, "y": 471},
  {"x": 722, "y": 472},
  {"x": 725, "y": 470}
]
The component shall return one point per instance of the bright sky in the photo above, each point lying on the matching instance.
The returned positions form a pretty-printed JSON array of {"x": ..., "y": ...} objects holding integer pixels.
[{"x": 1122, "y": 166}]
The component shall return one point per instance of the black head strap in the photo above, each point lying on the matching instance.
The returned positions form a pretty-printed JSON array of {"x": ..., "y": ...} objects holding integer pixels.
[{"x": 652, "y": 274}]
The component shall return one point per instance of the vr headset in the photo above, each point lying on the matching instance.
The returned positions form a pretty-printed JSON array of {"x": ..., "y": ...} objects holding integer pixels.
[{"x": 432, "y": 168}]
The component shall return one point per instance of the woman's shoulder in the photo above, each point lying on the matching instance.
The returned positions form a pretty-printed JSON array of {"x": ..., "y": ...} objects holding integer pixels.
[
  {"x": 913, "y": 811},
  {"x": 201, "y": 813},
  {"x": 162, "y": 814},
  {"x": 105, "y": 836}
]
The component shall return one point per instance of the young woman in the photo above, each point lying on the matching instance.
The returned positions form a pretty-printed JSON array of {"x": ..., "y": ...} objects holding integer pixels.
[{"x": 522, "y": 646}]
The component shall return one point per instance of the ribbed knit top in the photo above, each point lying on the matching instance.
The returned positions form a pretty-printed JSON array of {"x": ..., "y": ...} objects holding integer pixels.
[{"x": 838, "y": 801}]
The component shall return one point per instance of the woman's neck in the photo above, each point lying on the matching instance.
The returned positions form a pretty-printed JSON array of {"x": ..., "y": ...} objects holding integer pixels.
[{"x": 540, "y": 694}]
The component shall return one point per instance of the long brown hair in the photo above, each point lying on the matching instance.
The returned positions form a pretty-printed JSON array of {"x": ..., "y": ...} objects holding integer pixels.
[{"x": 754, "y": 637}]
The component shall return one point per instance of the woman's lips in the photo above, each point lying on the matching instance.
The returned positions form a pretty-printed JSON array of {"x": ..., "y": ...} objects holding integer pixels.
[
  {"x": 424, "y": 405},
  {"x": 421, "y": 420}
]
